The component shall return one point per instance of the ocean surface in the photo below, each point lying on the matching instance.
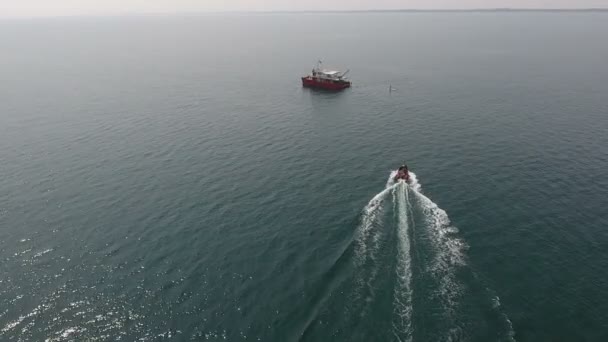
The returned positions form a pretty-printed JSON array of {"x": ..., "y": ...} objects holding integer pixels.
[{"x": 168, "y": 178}]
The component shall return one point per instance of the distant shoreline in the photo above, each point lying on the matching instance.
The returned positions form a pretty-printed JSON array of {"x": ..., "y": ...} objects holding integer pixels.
[
  {"x": 437, "y": 10},
  {"x": 387, "y": 11}
]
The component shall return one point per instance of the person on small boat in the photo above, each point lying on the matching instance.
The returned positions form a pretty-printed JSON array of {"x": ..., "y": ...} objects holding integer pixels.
[{"x": 403, "y": 173}]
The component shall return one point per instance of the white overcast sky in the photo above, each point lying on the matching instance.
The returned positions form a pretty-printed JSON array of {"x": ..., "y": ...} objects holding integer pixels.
[{"x": 11, "y": 8}]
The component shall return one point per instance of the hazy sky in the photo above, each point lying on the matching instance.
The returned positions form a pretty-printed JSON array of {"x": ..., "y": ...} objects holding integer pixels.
[{"x": 77, "y": 7}]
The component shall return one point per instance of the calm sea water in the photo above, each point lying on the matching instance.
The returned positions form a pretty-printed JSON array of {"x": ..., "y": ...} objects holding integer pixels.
[{"x": 167, "y": 178}]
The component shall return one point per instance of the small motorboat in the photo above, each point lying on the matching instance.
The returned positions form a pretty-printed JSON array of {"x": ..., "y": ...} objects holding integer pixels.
[{"x": 402, "y": 174}]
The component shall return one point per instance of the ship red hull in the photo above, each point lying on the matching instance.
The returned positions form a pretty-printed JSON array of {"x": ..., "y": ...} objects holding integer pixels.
[{"x": 311, "y": 82}]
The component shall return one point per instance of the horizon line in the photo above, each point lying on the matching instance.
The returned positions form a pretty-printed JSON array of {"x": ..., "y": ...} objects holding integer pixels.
[{"x": 402, "y": 10}]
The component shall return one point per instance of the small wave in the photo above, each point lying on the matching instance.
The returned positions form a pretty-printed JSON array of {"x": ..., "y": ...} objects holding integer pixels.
[
  {"x": 12, "y": 325},
  {"x": 39, "y": 254},
  {"x": 66, "y": 334},
  {"x": 23, "y": 252},
  {"x": 496, "y": 305}
]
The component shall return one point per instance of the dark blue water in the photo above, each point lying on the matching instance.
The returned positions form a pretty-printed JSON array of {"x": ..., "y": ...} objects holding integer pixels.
[{"x": 168, "y": 178}]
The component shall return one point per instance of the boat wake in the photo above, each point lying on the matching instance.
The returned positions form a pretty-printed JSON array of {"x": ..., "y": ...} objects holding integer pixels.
[
  {"x": 403, "y": 291},
  {"x": 413, "y": 240}
]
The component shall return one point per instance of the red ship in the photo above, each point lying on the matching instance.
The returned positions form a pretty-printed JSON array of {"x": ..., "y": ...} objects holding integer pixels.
[{"x": 326, "y": 79}]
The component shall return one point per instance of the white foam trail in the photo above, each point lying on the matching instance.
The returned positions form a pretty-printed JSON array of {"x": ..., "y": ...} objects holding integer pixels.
[
  {"x": 403, "y": 294},
  {"x": 441, "y": 228},
  {"x": 368, "y": 240},
  {"x": 367, "y": 243},
  {"x": 447, "y": 249},
  {"x": 414, "y": 184},
  {"x": 370, "y": 212},
  {"x": 368, "y": 217},
  {"x": 448, "y": 252},
  {"x": 448, "y": 256}
]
